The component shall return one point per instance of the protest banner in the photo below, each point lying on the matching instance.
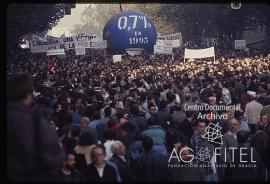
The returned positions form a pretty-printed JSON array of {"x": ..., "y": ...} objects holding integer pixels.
[
  {"x": 98, "y": 44},
  {"x": 134, "y": 51},
  {"x": 117, "y": 58},
  {"x": 66, "y": 43},
  {"x": 83, "y": 41},
  {"x": 176, "y": 39},
  {"x": 240, "y": 44},
  {"x": 56, "y": 52},
  {"x": 80, "y": 51},
  {"x": 163, "y": 47},
  {"x": 160, "y": 42},
  {"x": 199, "y": 53},
  {"x": 167, "y": 43},
  {"x": 159, "y": 49},
  {"x": 41, "y": 46}
]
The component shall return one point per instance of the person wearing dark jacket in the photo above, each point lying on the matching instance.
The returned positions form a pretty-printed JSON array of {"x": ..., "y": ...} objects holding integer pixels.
[
  {"x": 178, "y": 115},
  {"x": 87, "y": 141},
  {"x": 64, "y": 117},
  {"x": 122, "y": 162},
  {"x": 164, "y": 117},
  {"x": 99, "y": 170},
  {"x": 150, "y": 165},
  {"x": 67, "y": 173},
  {"x": 137, "y": 119},
  {"x": 33, "y": 151},
  {"x": 188, "y": 171},
  {"x": 242, "y": 173},
  {"x": 259, "y": 140},
  {"x": 267, "y": 124},
  {"x": 187, "y": 126}
]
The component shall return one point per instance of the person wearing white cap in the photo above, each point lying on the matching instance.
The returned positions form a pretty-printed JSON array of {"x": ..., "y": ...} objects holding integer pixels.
[{"x": 252, "y": 111}]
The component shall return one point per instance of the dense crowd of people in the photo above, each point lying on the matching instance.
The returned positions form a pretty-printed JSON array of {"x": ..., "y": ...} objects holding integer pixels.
[{"x": 86, "y": 118}]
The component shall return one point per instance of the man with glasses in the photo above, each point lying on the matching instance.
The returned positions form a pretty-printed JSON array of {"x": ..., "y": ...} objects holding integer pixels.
[{"x": 151, "y": 111}]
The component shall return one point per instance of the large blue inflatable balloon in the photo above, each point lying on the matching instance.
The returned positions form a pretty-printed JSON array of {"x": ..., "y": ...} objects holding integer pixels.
[{"x": 130, "y": 29}]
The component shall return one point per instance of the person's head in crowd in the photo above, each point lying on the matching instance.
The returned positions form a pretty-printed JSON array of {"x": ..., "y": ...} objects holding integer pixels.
[
  {"x": 186, "y": 154},
  {"x": 166, "y": 86},
  {"x": 103, "y": 90},
  {"x": 242, "y": 137},
  {"x": 220, "y": 85},
  {"x": 147, "y": 143},
  {"x": 66, "y": 118},
  {"x": 113, "y": 121},
  {"x": 152, "y": 109},
  {"x": 265, "y": 118},
  {"x": 84, "y": 121},
  {"x": 130, "y": 100},
  {"x": 96, "y": 114},
  {"x": 53, "y": 123},
  {"x": 238, "y": 115},
  {"x": 75, "y": 131},
  {"x": 188, "y": 98},
  {"x": 69, "y": 161},
  {"x": 118, "y": 148},
  {"x": 190, "y": 115},
  {"x": 87, "y": 138},
  {"x": 200, "y": 126},
  {"x": 173, "y": 109},
  {"x": 134, "y": 110},
  {"x": 107, "y": 112},
  {"x": 80, "y": 108},
  {"x": 262, "y": 92},
  {"x": 98, "y": 155},
  {"x": 151, "y": 99},
  {"x": 108, "y": 101},
  {"x": 109, "y": 135},
  {"x": 175, "y": 139},
  {"x": 152, "y": 121},
  {"x": 64, "y": 106},
  {"x": 170, "y": 97},
  {"x": 132, "y": 91},
  {"x": 20, "y": 88},
  {"x": 212, "y": 100},
  {"x": 143, "y": 97},
  {"x": 62, "y": 133},
  {"x": 163, "y": 104},
  {"x": 69, "y": 143},
  {"x": 43, "y": 101},
  {"x": 259, "y": 126},
  {"x": 123, "y": 117},
  {"x": 57, "y": 107},
  {"x": 234, "y": 125}
]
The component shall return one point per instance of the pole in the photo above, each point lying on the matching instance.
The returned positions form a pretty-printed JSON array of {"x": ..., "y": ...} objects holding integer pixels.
[{"x": 121, "y": 9}]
